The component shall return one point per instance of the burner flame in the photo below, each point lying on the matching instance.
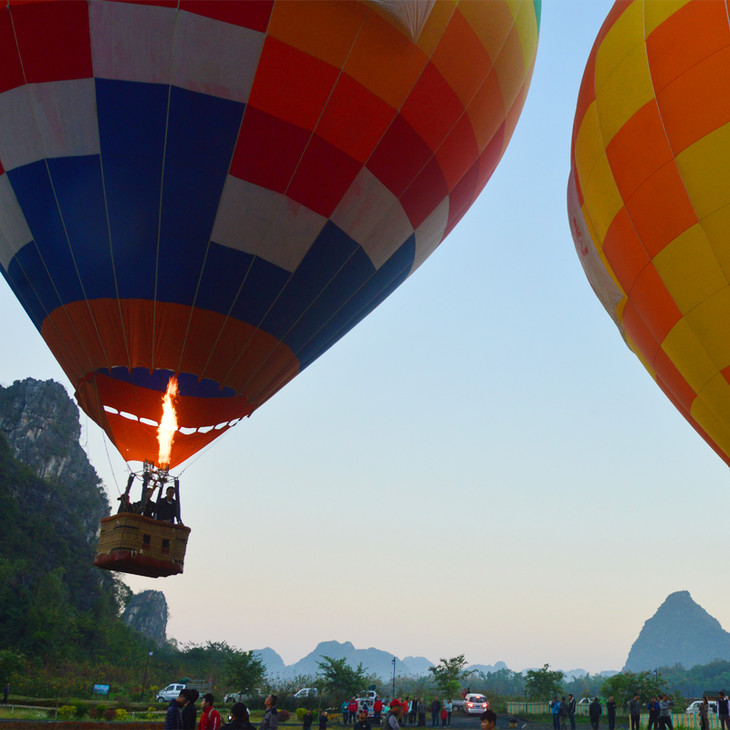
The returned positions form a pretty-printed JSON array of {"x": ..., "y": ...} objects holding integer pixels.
[{"x": 168, "y": 424}]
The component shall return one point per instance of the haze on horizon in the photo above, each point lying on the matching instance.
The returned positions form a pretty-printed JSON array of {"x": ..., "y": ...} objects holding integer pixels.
[{"x": 479, "y": 467}]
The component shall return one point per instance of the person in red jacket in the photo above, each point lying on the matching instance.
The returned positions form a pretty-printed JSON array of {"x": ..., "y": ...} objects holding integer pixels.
[
  {"x": 352, "y": 708},
  {"x": 210, "y": 719},
  {"x": 377, "y": 710}
]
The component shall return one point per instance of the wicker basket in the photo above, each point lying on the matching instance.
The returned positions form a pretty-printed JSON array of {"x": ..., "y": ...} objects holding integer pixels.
[{"x": 131, "y": 543}]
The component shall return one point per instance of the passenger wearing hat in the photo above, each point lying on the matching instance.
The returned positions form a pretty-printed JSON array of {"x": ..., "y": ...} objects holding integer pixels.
[{"x": 239, "y": 717}]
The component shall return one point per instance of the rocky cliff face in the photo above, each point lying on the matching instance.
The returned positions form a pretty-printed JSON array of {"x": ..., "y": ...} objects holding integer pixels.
[
  {"x": 680, "y": 632},
  {"x": 146, "y": 613},
  {"x": 41, "y": 425}
]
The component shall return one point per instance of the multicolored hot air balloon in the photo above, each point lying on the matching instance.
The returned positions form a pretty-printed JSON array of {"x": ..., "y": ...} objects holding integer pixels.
[
  {"x": 218, "y": 190},
  {"x": 649, "y": 200}
]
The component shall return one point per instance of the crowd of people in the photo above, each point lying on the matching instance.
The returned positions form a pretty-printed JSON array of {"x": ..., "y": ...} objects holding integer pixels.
[
  {"x": 659, "y": 709},
  {"x": 182, "y": 714},
  {"x": 400, "y": 713},
  {"x": 413, "y": 711}
]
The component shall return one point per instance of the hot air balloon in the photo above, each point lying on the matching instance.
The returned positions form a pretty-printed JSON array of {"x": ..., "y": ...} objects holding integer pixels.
[
  {"x": 649, "y": 200},
  {"x": 213, "y": 192}
]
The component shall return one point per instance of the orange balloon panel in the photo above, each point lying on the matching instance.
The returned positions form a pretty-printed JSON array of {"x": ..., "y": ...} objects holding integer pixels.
[
  {"x": 219, "y": 190},
  {"x": 649, "y": 200}
]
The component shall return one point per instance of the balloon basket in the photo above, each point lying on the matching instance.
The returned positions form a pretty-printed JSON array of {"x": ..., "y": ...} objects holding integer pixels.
[{"x": 130, "y": 543}]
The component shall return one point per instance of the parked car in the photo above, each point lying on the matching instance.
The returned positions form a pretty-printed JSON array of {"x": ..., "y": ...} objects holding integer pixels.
[
  {"x": 232, "y": 697},
  {"x": 169, "y": 693},
  {"x": 474, "y": 704},
  {"x": 694, "y": 707},
  {"x": 306, "y": 692}
]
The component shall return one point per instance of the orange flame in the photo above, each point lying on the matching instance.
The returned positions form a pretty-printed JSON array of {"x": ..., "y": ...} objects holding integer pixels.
[{"x": 168, "y": 424}]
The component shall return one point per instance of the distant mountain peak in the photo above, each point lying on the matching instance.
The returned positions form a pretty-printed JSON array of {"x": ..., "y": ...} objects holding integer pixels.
[{"x": 680, "y": 632}]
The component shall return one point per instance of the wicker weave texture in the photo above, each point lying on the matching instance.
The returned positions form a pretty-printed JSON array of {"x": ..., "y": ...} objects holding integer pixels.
[{"x": 152, "y": 538}]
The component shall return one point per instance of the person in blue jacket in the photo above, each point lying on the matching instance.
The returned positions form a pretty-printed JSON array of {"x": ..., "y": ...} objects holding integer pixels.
[{"x": 555, "y": 710}]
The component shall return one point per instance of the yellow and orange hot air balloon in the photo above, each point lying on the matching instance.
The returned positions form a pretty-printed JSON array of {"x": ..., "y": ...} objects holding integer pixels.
[{"x": 649, "y": 196}]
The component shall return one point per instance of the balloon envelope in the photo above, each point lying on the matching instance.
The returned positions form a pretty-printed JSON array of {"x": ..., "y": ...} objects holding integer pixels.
[
  {"x": 649, "y": 200},
  {"x": 220, "y": 189}
]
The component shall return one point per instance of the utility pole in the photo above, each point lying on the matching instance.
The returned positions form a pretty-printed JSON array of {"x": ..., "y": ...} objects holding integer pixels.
[
  {"x": 393, "y": 694},
  {"x": 144, "y": 680}
]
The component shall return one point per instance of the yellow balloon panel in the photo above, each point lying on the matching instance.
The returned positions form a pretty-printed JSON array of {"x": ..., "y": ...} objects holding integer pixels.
[{"x": 648, "y": 198}]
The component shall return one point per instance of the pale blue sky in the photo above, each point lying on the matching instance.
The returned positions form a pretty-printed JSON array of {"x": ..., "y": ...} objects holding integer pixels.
[{"x": 480, "y": 467}]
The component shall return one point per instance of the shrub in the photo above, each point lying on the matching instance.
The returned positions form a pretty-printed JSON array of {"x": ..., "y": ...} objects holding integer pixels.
[
  {"x": 121, "y": 714},
  {"x": 110, "y": 715},
  {"x": 301, "y": 712},
  {"x": 284, "y": 715},
  {"x": 93, "y": 712},
  {"x": 66, "y": 712},
  {"x": 81, "y": 709}
]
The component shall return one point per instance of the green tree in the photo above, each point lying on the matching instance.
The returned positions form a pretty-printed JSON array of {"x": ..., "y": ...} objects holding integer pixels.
[
  {"x": 10, "y": 663},
  {"x": 625, "y": 685},
  {"x": 448, "y": 673},
  {"x": 340, "y": 678},
  {"x": 244, "y": 671},
  {"x": 542, "y": 684}
]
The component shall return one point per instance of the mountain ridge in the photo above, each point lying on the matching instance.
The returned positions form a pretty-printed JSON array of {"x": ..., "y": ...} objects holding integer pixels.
[{"x": 680, "y": 632}]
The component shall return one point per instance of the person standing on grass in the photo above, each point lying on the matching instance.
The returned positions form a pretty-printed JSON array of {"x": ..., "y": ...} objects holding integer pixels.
[
  {"x": 377, "y": 710},
  {"x": 665, "y": 713},
  {"x": 307, "y": 720},
  {"x": 571, "y": 711},
  {"x": 435, "y": 710},
  {"x": 723, "y": 710},
  {"x": 449, "y": 709},
  {"x": 594, "y": 713},
  {"x": 555, "y": 712},
  {"x": 6, "y": 693},
  {"x": 323, "y": 720},
  {"x": 611, "y": 712},
  {"x": 653, "y": 708},
  {"x": 210, "y": 719},
  {"x": 635, "y": 711},
  {"x": 704, "y": 718},
  {"x": 421, "y": 712}
]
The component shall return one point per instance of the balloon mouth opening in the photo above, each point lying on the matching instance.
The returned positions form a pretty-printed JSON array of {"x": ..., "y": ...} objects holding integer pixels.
[{"x": 159, "y": 425}]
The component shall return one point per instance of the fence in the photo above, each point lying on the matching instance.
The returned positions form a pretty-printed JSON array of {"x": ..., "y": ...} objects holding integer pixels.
[{"x": 679, "y": 719}]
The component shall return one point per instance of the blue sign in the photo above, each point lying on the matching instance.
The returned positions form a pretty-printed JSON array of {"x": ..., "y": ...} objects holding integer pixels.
[{"x": 101, "y": 689}]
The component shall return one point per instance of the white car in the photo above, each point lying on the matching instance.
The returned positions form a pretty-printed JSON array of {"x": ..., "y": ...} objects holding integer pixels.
[
  {"x": 474, "y": 704},
  {"x": 232, "y": 697},
  {"x": 171, "y": 692},
  {"x": 306, "y": 692},
  {"x": 694, "y": 707}
]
